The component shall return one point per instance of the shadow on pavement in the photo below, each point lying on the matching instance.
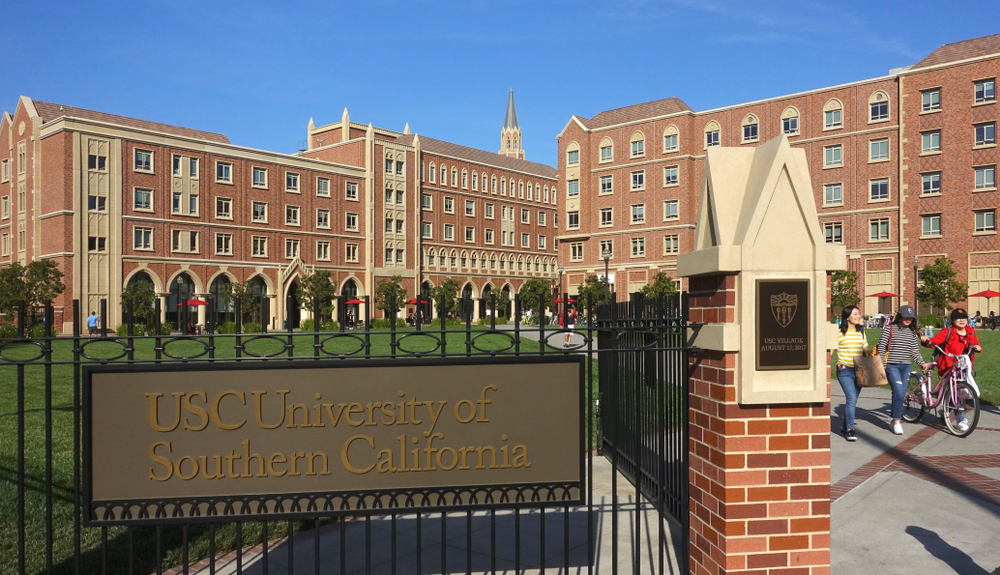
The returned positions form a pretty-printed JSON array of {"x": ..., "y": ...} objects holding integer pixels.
[{"x": 947, "y": 553}]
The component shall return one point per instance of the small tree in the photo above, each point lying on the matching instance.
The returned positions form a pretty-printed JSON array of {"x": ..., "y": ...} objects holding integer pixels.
[
  {"x": 385, "y": 290},
  {"x": 36, "y": 283},
  {"x": 844, "y": 289},
  {"x": 242, "y": 292},
  {"x": 595, "y": 290},
  {"x": 448, "y": 290},
  {"x": 535, "y": 291},
  {"x": 663, "y": 285},
  {"x": 317, "y": 285},
  {"x": 940, "y": 287},
  {"x": 142, "y": 295},
  {"x": 12, "y": 288}
]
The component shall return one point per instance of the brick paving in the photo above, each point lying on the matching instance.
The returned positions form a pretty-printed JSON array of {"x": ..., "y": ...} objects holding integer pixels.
[{"x": 880, "y": 463}]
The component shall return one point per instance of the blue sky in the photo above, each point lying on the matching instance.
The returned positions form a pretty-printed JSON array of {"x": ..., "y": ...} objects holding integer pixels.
[{"x": 257, "y": 71}]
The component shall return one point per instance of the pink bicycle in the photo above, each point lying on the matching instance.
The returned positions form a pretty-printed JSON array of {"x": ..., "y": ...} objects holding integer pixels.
[{"x": 956, "y": 393}]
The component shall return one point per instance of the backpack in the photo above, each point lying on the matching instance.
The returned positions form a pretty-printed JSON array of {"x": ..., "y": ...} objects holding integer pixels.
[{"x": 936, "y": 355}]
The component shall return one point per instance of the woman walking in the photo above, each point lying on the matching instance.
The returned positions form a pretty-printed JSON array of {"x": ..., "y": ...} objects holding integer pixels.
[
  {"x": 851, "y": 343},
  {"x": 900, "y": 344}
]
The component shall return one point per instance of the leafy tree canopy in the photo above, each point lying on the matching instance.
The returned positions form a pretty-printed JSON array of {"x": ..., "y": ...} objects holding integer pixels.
[
  {"x": 844, "y": 289},
  {"x": 385, "y": 290},
  {"x": 448, "y": 290},
  {"x": 36, "y": 283},
  {"x": 143, "y": 296},
  {"x": 317, "y": 285},
  {"x": 940, "y": 287},
  {"x": 535, "y": 291},
  {"x": 595, "y": 290},
  {"x": 662, "y": 285}
]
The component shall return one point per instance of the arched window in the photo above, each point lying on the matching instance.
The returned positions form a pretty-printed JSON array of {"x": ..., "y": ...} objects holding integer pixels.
[
  {"x": 444, "y": 175},
  {"x": 607, "y": 150},
  {"x": 520, "y": 190},
  {"x": 475, "y": 181},
  {"x": 453, "y": 259},
  {"x": 463, "y": 259},
  {"x": 712, "y": 134},
  {"x": 637, "y": 145},
  {"x": 433, "y": 173},
  {"x": 878, "y": 107},
  {"x": 538, "y": 192},
  {"x": 833, "y": 114},
  {"x": 503, "y": 186},
  {"x": 430, "y": 257},
  {"x": 503, "y": 261},
  {"x": 454, "y": 178},
  {"x": 671, "y": 139},
  {"x": 465, "y": 179},
  {"x": 790, "y": 121},
  {"x": 573, "y": 154},
  {"x": 750, "y": 129},
  {"x": 545, "y": 194},
  {"x": 493, "y": 186}
]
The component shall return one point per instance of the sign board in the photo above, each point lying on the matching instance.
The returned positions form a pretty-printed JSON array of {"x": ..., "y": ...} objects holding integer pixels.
[
  {"x": 231, "y": 440},
  {"x": 783, "y": 310}
]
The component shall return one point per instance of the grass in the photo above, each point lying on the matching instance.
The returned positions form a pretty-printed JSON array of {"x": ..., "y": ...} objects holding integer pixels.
[
  {"x": 987, "y": 363},
  {"x": 143, "y": 539}
]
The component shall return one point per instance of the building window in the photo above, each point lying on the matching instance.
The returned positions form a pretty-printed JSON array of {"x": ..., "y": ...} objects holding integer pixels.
[
  {"x": 985, "y": 91},
  {"x": 986, "y": 134},
  {"x": 573, "y": 188},
  {"x": 184, "y": 241},
  {"x": 259, "y": 178},
  {"x": 930, "y": 183},
  {"x": 96, "y": 244},
  {"x": 224, "y": 244},
  {"x": 323, "y": 188},
  {"x": 143, "y": 161},
  {"x": 433, "y": 172},
  {"x": 193, "y": 168},
  {"x": 638, "y": 213},
  {"x": 465, "y": 180},
  {"x": 175, "y": 205},
  {"x": 833, "y": 156},
  {"x": 4, "y": 244},
  {"x": 454, "y": 178},
  {"x": 878, "y": 190},
  {"x": 790, "y": 126},
  {"x": 607, "y": 217},
  {"x": 833, "y": 195},
  {"x": 930, "y": 142},
  {"x": 671, "y": 209},
  {"x": 388, "y": 165},
  {"x": 541, "y": 219},
  {"x": 607, "y": 151},
  {"x": 5, "y": 207},
  {"x": 193, "y": 204},
  {"x": 488, "y": 211},
  {"x": 606, "y": 184},
  {"x": 258, "y": 246},
  {"x": 425, "y": 229},
  {"x": 833, "y": 118},
  {"x": 470, "y": 234},
  {"x": 986, "y": 221},
  {"x": 259, "y": 213},
  {"x": 351, "y": 252},
  {"x": 986, "y": 177},
  {"x": 449, "y": 232},
  {"x": 323, "y": 219},
  {"x": 291, "y": 248},
  {"x": 878, "y": 230},
  {"x": 488, "y": 236},
  {"x": 291, "y": 182},
  {"x": 224, "y": 208},
  {"x": 525, "y": 216},
  {"x": 638, "y": 247},
  {"x": 930, "y": 100},
  {"x": 711, "y": 139},
  {"x": 399, "y": 168},
  {"x": 670, "y": 176},
  {"x": 525, "y": 240},
  {"x": 541, "y": 243},
  {"x": 351, "y": 222},
  {"x": 750, "y": 129},
  {"x": 96, "y": 203},
  {"x": 572, "y": 220},
  {"x": 470, "y": 208},
  {"x": 4, "y": 171},
  {"x": 576, "y": 252},
  {"x": 323, "y": 251},
  {"x": 176, "y": 167},
  {"x": 931, "y": 225},
  {"x": 834, "y": 232},
  {"x": 291, "y": 215},
  {"x": 639, "y": 180},
  {"x": 608, "y": 246},
  {"x": 142, "y": 199},
  {"x": 143, "y": 239},
  {"x": 573, "y": 158},
  {"x": 878, "y": 111},
  {"x": 671, "y": 244},
  {"x": 223, "y": 172},
  {"x": 878, "y": 150},
  {"x": 449, "y": 205},
  {"x": 425, "y": 202},
  {"x": 638, "y": 148}
]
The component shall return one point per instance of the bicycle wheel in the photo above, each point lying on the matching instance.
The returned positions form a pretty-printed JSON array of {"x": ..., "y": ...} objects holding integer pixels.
[
  {"x": 913, "y": 402},
  {"x": 964, "y": 407}
]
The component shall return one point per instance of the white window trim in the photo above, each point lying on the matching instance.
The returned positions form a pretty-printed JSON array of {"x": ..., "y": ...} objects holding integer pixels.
[
  {"x": 228, "y": 182},
  {"x": 266, "y": 213},
  {"x": 152, "y": 198},
  {"x": 217, "y": 216},
  {"x": 329, "y": 187},
  {"x": 253, "y": 184},
  {"x": 152, "y": 162}
]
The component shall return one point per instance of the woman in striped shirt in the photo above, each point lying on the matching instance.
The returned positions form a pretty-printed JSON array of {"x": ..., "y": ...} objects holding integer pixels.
[
  {"x": 901, "y": 339},
  {"x": 851, "y": 343}
]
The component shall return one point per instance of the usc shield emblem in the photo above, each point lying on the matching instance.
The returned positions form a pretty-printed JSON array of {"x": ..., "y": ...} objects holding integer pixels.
[{"x": 783, "y": 308}]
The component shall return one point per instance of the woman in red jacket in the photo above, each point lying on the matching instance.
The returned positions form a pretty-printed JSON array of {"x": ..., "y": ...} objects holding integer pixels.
[{"x": 961, "y": 339}]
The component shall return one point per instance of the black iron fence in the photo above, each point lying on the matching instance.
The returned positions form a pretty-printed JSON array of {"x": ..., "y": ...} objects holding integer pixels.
[{"x": 637, "y": 351}]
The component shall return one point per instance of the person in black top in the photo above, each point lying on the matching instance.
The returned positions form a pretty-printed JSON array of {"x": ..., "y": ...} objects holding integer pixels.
[{"x": 899, "y": 345}]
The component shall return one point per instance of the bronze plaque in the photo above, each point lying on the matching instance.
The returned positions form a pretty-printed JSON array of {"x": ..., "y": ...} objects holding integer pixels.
[
  {"x": 197, "y": 442},
  {"x": 783, "y": 324}
]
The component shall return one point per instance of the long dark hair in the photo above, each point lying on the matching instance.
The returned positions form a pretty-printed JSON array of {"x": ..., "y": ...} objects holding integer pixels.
[
  {"x": 898, "y": 321},
  {"x": 843, "y": 319}
]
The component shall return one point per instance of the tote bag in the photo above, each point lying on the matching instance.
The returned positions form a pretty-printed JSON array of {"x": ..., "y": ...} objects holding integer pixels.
[{"x": 869, "y": 371}]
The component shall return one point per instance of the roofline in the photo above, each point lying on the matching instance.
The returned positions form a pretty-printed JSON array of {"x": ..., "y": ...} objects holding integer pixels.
[
  {"x": 439, "y": 154},
  {"x": 29, "y": 106},
  {"x": 572, "y": 119},
  {"x": 51, "y": 127},
  {"x": 332, "y": 125},
  {"x": 946, "y": 64}
]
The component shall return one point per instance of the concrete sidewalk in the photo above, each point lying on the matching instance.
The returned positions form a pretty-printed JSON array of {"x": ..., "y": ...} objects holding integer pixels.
[{"x": 924, "y": 502}]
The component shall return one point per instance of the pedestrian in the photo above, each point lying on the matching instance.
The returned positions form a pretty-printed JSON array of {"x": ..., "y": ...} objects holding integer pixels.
[
  {"x": 958, "y": 339},
  {"x": 850, "y": 344},
  {"x": 900, "y": 344},
  {"x": 570, "y": 315},
  {"x": 92, "y": 322}
]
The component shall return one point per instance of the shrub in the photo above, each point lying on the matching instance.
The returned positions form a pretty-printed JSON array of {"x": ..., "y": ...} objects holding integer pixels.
[
  {"x": 500, "y": 321},
  {"x": 165, "y": 329},
  {"x": 252, "y": 327},
  {"x": 930, "y": 320},
  {"x": 122, "y": 330},
  {"x": 37, "y": 330},
  {"x": 8, "y": 330},
  {"x": 386, "y": 323},
  {"x": 307, "y": 324},
  {"x": 226, "y": 328},
  {"x": 329, "y": 326}
]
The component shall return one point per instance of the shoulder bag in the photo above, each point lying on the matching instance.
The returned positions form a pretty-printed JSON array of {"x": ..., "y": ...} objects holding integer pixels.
[{"x": 869, "y": 370}]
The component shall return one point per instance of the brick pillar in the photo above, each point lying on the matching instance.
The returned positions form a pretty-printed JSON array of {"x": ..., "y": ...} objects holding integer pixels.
[{"x": 759, "y": 474}]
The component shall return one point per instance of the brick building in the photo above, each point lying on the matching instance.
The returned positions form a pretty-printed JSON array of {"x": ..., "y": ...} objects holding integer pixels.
[
  {"x": 113, "y": 200},
  {"x": 903, "y": 167}
]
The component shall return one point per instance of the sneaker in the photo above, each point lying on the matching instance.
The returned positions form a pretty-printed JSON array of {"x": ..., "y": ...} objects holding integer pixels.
[
  {"x": 963, "y": 426},
  {"x": 850, "y": 435},
  {"x": 897, "y": 428}
]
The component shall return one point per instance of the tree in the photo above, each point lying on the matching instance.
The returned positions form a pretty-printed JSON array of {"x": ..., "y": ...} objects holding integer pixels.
[
  {"x": 241, "y": 292},
  {"x": 940, "y": 288},
  {"x": 535, "y": 291},
  {"x": 385, "y": 290},
  {"x": 142, "y": 295},
  {"x": 317, "y": 285},
  {"x": 448, "y": 290},
  {"x": 36, "y": 283},
  {"x": 596, "y": 289},
  {"x": 12, "y": 288},
  {"x": 844, "y": 289},
  {"x": 663, "y": 285}
]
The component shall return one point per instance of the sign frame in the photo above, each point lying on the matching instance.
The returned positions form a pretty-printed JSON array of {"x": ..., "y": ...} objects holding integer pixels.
[
  {"x": 183, "y": 510},
  {"x": 759, "y": 309}
]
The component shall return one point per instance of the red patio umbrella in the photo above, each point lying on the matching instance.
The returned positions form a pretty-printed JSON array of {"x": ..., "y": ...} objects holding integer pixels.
[
  {"x": 887, "y": 294},
  {"x": 570, "y": 300},
  {"x": 355, "y": 301},
  {"x": 414, "y": 301},
  {"x": 988, "y": 294},
  {"x": 197, "y": 302}
]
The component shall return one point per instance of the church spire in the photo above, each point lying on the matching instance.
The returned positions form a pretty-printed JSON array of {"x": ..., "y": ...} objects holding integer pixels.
[{"x": 510, "y": 134}]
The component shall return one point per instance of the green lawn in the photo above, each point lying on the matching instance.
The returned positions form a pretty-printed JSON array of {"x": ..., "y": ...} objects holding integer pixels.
[
  {"x": 987, "y": 363},
  {"x": 144, "y": 539}
]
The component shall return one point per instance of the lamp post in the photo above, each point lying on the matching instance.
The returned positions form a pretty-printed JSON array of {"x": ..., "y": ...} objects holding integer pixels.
[
  {"x": 182, "y": 312},
  {"x": 916, "y": 267},
  {"x": 561, "y": 297},
  {"x": 606, "y": 256}
]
